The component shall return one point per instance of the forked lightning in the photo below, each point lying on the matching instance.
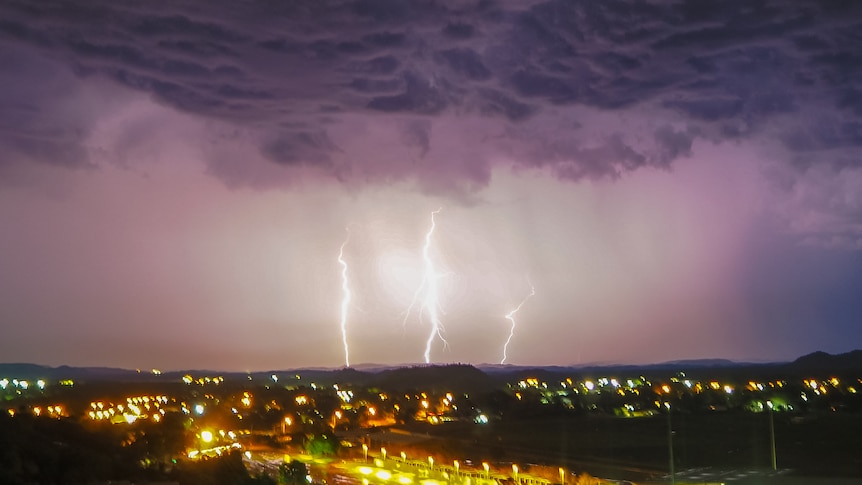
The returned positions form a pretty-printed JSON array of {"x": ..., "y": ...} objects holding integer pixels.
[{"x": 511, "y": 318}]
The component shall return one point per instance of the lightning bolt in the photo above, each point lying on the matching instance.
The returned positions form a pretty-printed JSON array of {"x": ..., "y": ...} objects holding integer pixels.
[
  {"x": 428, "y": 292},
  {"x": 511, "y": 318},
  {"x": 345, "y": 300}
]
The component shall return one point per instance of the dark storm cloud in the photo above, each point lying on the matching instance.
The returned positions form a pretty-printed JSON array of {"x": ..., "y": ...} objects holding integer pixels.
[
  {"x": 39, "y": 120},
  {"x": 724, "y": 70},
  {"x": 300, "y": 147},
  {"x": 417, "y": 133}
]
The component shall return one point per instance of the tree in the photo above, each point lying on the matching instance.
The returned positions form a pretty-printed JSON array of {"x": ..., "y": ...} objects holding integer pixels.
[
  {"x": 292, "y": 473},
  {"x": 323, "y": 444}
]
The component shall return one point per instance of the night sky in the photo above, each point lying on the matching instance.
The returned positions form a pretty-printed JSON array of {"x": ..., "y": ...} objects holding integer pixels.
[{"x": 675, "y": 179}]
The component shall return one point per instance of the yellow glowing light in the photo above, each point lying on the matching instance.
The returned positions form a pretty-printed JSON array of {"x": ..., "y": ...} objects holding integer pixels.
[
  {"x": 372, "y": 411},
  {"x": 206, "y": 436},
  {"x": 383, "y": 475},
  {"x": 404, "y": 480},
  {"x": 301, "y": 400},
  {"x": 666, "y": 389},
  {"x": 365, "y": 470}
]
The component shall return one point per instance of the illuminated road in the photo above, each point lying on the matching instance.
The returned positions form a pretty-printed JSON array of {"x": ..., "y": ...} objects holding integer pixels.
[{"x": 381, "y": 471}]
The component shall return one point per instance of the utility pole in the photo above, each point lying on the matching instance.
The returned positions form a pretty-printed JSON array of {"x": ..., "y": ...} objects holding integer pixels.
[{"x": 670, "y": 445}]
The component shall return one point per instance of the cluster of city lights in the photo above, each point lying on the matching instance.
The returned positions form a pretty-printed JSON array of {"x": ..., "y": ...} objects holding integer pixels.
[
  {"x": 135, "y": 408},
  {"x": 21, "y": 384},
  {"x": 52, "y": 411},
  {"x": 203, "y": 380},
  {"x": 345, "y": 395}
]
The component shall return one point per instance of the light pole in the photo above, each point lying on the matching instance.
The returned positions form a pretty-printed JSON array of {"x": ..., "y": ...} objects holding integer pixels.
[
  {"x": 431, "y": 462},
  {"x": 383, "y": 452},
  {"x": 772, "y": 435},
  {"x": 487, "y": 468},
  {"x": 404, "y": 457},
  {"x": 365, "y": 452},
  {"x": 457, "y": 467},
  {"x": 670, "y": 445},
  {"x": 515, "y": 474},
  {"x": 562, "y": 476}
]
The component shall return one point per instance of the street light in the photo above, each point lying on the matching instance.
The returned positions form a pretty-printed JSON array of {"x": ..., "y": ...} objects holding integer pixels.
[
  {"x": 515, "y": 474},
  {"x": 562, "y": 476},
  {"x": 487, "y": 468},
  {"x": 365, "y": 452},
  {"x": 457, "y": 467},
  {"x": 403, "y": 456},
  {"x": 431, "y": 461},
  {"x": 383, "y": 452},
  {"x": 772, "y": 435}
]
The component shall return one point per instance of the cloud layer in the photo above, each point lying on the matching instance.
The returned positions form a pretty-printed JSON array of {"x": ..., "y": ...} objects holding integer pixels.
[{"x": 291, "y": 73}]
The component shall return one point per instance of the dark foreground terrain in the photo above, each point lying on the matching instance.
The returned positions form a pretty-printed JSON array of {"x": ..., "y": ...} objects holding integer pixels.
[{"x": 637, "y": 448}]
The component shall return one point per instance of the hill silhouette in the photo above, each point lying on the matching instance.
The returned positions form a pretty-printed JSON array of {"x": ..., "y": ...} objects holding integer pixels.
[
  {"x": 822, "y": 361},
  {"x": 455, "y": 377}
]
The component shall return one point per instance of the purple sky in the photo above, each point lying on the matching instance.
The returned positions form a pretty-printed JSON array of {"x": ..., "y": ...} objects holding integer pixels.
[{"x": 676, "y": 180}]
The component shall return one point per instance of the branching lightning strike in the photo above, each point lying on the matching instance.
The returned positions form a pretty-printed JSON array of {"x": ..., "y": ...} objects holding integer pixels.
[
  {"x": 345, "y": 300},
  {"x": 511, "y": 318},
  {"x": 428, "y": 291}
]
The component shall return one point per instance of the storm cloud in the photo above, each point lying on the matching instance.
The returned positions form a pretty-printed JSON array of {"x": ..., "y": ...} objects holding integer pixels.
[{"x": 290, "y": 74}]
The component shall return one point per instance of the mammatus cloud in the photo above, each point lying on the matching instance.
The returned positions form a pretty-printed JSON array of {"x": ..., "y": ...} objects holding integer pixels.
[{"x": 439, "y": 93}]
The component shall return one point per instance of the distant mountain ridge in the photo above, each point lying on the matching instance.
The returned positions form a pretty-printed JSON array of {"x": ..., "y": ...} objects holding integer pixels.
[{"x": 452, "y": 376}]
